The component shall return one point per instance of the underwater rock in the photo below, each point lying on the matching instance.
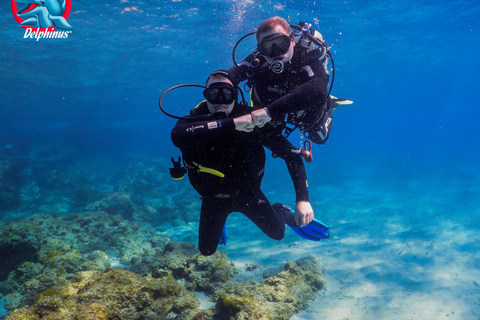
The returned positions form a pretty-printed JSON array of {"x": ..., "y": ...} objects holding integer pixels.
[
  {"x": 12, "y": 301},
  {"x": 120, "y": 294},
  {"x": 149, "y": 184},
  {"x": 45, "y": 250},
  {"x": 279, "y": 297},
  {"x": 54, "y": 180},
  {"x": 113, "y": 294},
  {"x": 178, "y": 272},
  {"x": 13, "y": 253},
  {"x": 184, "y": 262},
  {"x": 86, "y": 194},
  {"x": 9, "y": 186},
  {"x": 114, "y": 203}
]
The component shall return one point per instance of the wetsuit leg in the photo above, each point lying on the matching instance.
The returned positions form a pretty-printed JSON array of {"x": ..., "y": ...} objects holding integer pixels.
[
  {"x": 260, "y": 212},
  {"x": 213, "y": 215}
]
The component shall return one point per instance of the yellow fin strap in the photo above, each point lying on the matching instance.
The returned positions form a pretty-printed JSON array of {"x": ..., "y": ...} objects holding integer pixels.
[{"x": 208, "y": 170}]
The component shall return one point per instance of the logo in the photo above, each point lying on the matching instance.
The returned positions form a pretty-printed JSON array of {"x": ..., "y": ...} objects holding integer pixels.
[
  {"x": 43, "y": 18},
  {"x": 193, "y": 128},
  {"x": 277, "y": 89}
]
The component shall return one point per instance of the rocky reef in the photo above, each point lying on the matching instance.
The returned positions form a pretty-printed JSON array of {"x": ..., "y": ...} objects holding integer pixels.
[
  {"x": 45, "y": 250},
  {"x": 93, "y": 239},
  {"x": 52, "y": 179},
  {"x": 170, "y": 292},
  {"x": 60, "y": 267}
]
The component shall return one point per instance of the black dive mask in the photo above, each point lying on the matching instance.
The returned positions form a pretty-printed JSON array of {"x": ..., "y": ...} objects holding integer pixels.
[
  {"x": 220, "y": 93},
  {"x": 274, "y": 45}
]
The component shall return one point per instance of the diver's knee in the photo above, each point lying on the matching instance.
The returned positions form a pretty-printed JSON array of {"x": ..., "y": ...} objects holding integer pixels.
[{"x": 207, "y": 252}]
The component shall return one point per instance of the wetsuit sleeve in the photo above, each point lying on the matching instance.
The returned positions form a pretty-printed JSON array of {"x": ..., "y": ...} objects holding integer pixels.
[
  {"x": 187, "y": 133},
  {"x": 297, "y": 171},
  {"x": 308, "y": 93},
  {"x": 280, "y": 145}
]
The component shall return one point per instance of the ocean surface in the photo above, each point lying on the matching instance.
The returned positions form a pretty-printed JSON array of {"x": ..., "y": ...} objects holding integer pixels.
[{"x": 398, "y": 180}]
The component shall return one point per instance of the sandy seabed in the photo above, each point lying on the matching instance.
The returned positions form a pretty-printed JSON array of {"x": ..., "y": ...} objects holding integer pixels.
[{"x": 392, "y": 254}]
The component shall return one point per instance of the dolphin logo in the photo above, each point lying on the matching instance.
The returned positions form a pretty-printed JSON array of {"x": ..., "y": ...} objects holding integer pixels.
[{"x": 46, "y": 13}]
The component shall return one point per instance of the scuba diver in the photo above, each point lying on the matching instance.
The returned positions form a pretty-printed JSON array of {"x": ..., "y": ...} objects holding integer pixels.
[
  {"x": 288, "y": 78},
  {"x": 224, "y": 157}
]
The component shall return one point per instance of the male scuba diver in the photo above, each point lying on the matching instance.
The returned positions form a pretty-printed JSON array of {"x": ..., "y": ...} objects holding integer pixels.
[
  {"x": 287, "y": 77},
  {"x": 225, "y": 160}
]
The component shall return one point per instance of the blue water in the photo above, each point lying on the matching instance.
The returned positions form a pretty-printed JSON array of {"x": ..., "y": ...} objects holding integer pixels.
[{"x": 406, "y": 153}]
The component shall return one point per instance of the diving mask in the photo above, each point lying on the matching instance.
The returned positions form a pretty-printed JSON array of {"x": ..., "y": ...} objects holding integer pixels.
[
  {"x": 220, "y": 93},
  {"x": 274, "y": 45}
]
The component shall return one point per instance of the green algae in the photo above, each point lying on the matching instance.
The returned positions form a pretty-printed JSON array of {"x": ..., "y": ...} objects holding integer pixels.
[{"x": 50, "y": 292}]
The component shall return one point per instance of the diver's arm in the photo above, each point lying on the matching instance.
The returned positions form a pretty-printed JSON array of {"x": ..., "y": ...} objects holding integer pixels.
[
  {"x": 297, "y": 171},
  {"x": 186, "y": 133},
  {"x": 303, "y": 209},
  {"x": 312, "y": 91},
  {"x": 280, "y": 146}
]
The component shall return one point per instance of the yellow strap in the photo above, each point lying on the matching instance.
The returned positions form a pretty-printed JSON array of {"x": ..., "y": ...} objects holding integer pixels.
[
  {"x": 200, "y": 104},
  {"x": 251, "y": 97},
  {"x": 208, "y": 170}
]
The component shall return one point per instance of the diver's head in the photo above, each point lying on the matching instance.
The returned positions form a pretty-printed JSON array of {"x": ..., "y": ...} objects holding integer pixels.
[
  {"x": 275, "y": 42},
  {"x": 220, "y": 94}
]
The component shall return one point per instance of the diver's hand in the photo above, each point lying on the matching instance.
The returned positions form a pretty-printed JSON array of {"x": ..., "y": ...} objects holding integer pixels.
[
  {"x": 303, "y": 213},
  {"x": 244, "y": 123},
  {"x": 260, "y": 117}
]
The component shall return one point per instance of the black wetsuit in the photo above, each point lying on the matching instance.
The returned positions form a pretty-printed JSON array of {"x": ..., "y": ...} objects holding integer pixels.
[
  {"x": 240, "y": 156},
  {"x": 301, "y": 86}
]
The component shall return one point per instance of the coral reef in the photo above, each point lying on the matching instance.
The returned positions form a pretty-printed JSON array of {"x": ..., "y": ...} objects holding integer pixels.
[
  {"x": 114, "y": 203},
  {"x": 170, "y": 293},
  {"x": 113, "y": 294},
  {"x": 57, "y": 180},
  {"x": 45, "y": 250},
  {"x": 156, "y": 193},
  {"x": 198, "y": 273},
  {"x": 280, "y": 296}
]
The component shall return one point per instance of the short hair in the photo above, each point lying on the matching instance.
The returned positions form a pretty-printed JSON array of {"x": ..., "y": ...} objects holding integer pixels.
[{"x": 270, "y": 24}]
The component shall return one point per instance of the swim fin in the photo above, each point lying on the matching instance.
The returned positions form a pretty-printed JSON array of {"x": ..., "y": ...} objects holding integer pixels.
[
  {"x": 223, "y": 236},
  {"x": 338, "y": 102},
  {"x": 315, "y": 230}
]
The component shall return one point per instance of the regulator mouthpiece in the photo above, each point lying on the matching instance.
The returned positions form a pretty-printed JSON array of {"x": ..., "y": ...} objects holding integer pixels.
[
  {"x": 277, "y": 66},
  {"x": 221, "y": 112}
]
